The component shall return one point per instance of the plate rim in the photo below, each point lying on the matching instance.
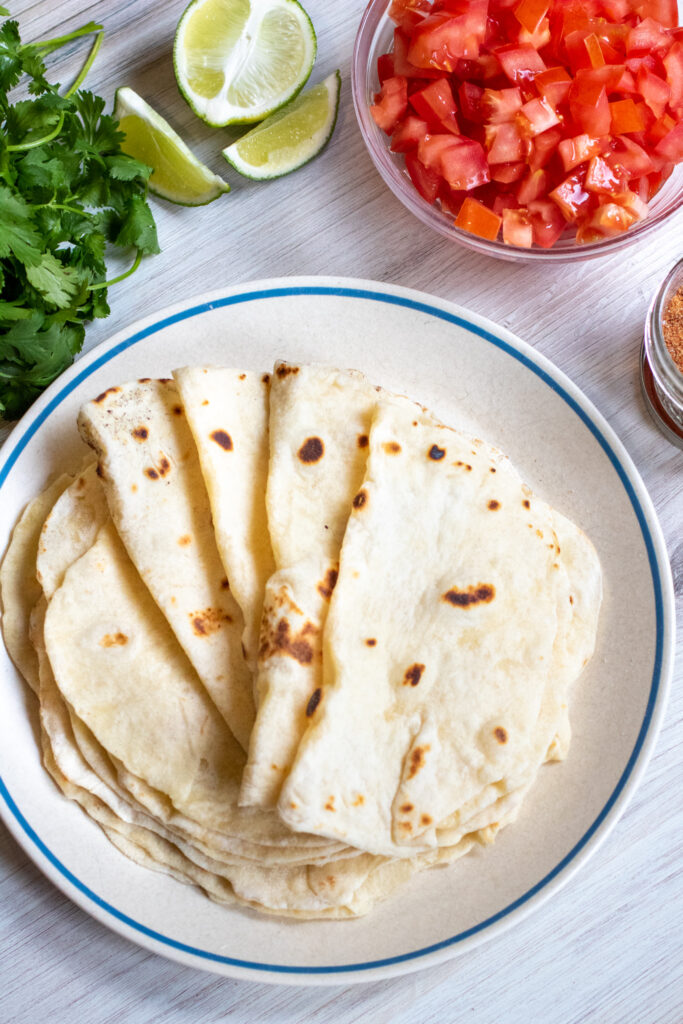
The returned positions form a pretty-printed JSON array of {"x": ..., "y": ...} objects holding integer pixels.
[{"x": 646, "y": 516}]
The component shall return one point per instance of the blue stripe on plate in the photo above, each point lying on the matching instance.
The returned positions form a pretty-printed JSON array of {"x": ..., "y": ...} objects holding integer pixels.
[{"x": 423, "y": 307}]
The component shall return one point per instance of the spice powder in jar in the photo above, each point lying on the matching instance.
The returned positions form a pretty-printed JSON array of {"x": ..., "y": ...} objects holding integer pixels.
[{"x": 661, "y": 363}]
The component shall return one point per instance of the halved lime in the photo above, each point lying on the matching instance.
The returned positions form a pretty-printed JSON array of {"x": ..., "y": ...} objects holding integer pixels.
[
  {"x": 177, "y": 174},
  {"x": 290, "y": 137},
  {"x": 236, "y": 61}
]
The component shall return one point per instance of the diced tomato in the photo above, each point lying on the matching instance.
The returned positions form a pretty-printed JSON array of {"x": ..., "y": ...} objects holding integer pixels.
[
  {"x": 553, "y": 84},
  {"x": 544, "y": 147},
  {"x": 647, "y": 37},
  {"x": 589, "y": 105},
  {"x": 390, "y": 103},
  {"x": 440, "y": 40},
  {"x": 537, "y": 39},
  {"x": 662, "y": 127},
  {"x": 530, "y": 13},
  {"x": 547, "y": 223},
  {"x": 606, "y": 220},
  {"x": 663, "y": 11},
  {"x": 385, "y": 67},
  {"x": 626, "y": 117},
  {"x": 520, "y": 63},
  {"x": 408, "y": 13},
  {"x": 435, "y": 105},
  {"x": 531, "y": 187},
  {"x": 478, "y": 219},
  {"x": 461, "y": 161},
  {"x": 572, "y": 197},
  {"x": 507, "y": 173},
  {"x": 505, "y": 201},
  {"x": 601, "y": 177},
  {"x": 408, "y": 134},
  {"x": 402, "y": 65},
  {"x": 470, "y": 96},
  {"x": 426, "y": 181},
  {"x": 499, "y": 105},
  {"x": 577, "y": 150},
  {"x": 517, "y": 228},
  {"x": 631, "y": 158},
  {"x": 504, "y": 143},
  {"x": 654, "y": 90},
  {"x": 537, "y": 116},
  {"x": 671, "y": 146},
  {"x": 673, "y": 62}
]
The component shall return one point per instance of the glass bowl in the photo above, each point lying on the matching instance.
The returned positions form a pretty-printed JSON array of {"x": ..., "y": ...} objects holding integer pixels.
[{"x": 375, "y": 36}]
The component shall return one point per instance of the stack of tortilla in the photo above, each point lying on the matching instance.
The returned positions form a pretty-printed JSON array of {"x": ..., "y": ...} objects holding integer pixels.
[{"x": 292, "y": 638}]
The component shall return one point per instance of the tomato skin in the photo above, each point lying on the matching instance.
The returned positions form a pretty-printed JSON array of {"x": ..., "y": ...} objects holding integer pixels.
[
  {"x": 530, "y": 13},
  {"x": 391, "y": 103},
  {"x": 469, "y": 96},
  {"x": 626, "y": 117},
  {"x": 426, "y": 181},
  {"x": 408, "y": 13},
  {"x": 553, "y": 84},
  {"x": 435, "y": 104},
  {"x": 671, "y": 146},
  {"x": 460, "y": 161},
  {"x": 478, "y": 219},
  {"x": 440, "y": 40},
  {"x": 588, "y": 104}
]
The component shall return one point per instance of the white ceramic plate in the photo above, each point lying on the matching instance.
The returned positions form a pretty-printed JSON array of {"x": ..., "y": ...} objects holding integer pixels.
[{"x": 474, "y": 375}]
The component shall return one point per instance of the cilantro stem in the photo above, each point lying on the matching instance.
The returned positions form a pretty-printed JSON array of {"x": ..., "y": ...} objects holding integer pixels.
[
  {"x": 21, "y": 146},
  {"x": 48, "y": 45},
  {"x": 88, "y": 64},
  {"x": 121, "y": 277}
]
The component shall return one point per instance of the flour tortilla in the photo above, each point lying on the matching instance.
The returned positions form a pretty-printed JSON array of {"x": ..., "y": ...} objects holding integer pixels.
[
  {"x": 448, "y": 645},
  {"x": 319, "y": 425},
  {"x": 227, "y": 411},
  {"x": 158, "y": 501}
]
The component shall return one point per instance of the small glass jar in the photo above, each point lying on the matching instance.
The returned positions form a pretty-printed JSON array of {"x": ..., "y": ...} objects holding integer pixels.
[{"x": 660, "y": 375}]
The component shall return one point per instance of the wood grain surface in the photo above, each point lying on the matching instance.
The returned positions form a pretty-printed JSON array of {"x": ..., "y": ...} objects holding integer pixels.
[{"x": 607, "y": 949}]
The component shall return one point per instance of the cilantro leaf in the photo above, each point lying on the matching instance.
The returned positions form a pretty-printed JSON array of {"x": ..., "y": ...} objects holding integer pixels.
[{"x": 56, "y": 283}]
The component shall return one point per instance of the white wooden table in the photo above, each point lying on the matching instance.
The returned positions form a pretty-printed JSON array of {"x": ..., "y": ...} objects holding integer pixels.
[{"x": 609, "y": 947}]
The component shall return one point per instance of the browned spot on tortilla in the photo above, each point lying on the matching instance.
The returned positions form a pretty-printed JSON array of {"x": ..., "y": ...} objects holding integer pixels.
[
  {"x": 425, "y": 819},
  {"x": 571, "y": 599},
  {"x": 209, "y": 621},
  {"x": 109, "y": 391},
  {"x": 406, "y": 826},
  {"x": 363, "y": 440},
  {"x": 205, "y": 402},
  {"x": 468, "y": 467},
  {"x": 100, "y": 471},
  {"x": 370, "y": 642},
  {"x": 360, "y": 499},
  {"x": 414, "y": 423},
  {"x": 242, "y": 376},
  {"x": 331, "y": 881},
  {"x": 391, "y": 447},
  {"x": 539, "y": 533},
  {"x": 225, "y": 585},
  {"x": 274, "y": 767},
  {"x": 222, "y": 438},
  {"x": 81, "y": 483},
  {"x": 413, "y": 675},
  {"x": 177, "y": 410},
  {"x": 359, "y": 801},
  {"x": 152, "y": 473},
  {"x": 493, "y": 504},
  {"x": 481, "y": 593},
  {"x": 500, "y": 734},
  {"x": 144, "y": 380},
  {"x": 417, "y": 759},
  {"x": 406, "y": 808},
  {"x": 312, "y": 450},
  {"x": 313, "y": 702},
  {"x": 184, "y": 540},
  {"x": 164, "y": 466},
  {"x": 134, "y": 488},
  {"x": 326, "y": 586},
  {"x": 280, "y": 641},
  {"x": 165, "y": 380},
  {"x": 265, "y": 379},
  {"x": 284, "y": 371},
  {"x": 492, "y": 469},
  {"x": 526, "y": 503},
  {"x": 329, "y": 806},
  {"x": 293, "y": 805},
  {"x": 555, "y": 565},
  {"x": 114, "y": 640},
  {"x": 436, "y": 453}
]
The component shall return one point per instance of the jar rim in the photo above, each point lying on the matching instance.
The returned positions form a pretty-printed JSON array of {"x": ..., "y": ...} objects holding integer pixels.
[{"x": 667, "y": 373}]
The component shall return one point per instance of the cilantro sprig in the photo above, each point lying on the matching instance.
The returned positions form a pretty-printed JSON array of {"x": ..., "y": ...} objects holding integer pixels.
[{"x": 68, "y": 194}]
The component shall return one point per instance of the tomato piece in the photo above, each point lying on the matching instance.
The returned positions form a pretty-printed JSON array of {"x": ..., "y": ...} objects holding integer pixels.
[
  {"x": 572, "y": 197},
  {"x": 663, "y": 11},
  {"x": 504, "y": 143},
  {"x": 441, "y": 39},
  {"x": 577, "y": 150},
  {"x": 402, "y": 65},
  {"x": 470, "y": 95},
  {"x": 478, "y": 219},
  {"x": 390, "y": 103},
  {"x": 626, "y": 117},
  {"x": 671, "y": 146},
  {"x": 530, "y": 13},
  {"x": 517, "y": 228},
  {"x": 603, "y": 178},
  {"x": 603, "y": 222},
  {"x": 436, "y": 105},
  {"x": 461, "y": 161},
  {"x": 385, "y": 67},
  {"x": 647, "y": 37},
  {"x": 507, "y": 173},
  {"x": 589, "y": 105},
  {"x": 505, "y": 201},
  {"x": 499, "y": 105},
  {"x": 660, "y": 128},
  {"x": 594, "y": 51},
  {"x": 547, "y": 223},
  {"x": 537, "y": 39},
  {"x": 630, "y": 157},
  {"x": 544, "y": 147},
  {"x": 520, "y": 63},
  {"x": 426, "y": 181},
  {"x": 533, "y": 186},
  {"x": 553, "y": 84},
  {"x": 537, "y": 116},
  {"x": 408, "y": 13},
  {"x": 673, "y": 63},
  {"x": 408, "y": 134}
]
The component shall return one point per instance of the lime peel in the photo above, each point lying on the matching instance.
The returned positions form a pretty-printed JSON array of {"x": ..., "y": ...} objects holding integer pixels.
[
  {"x": 291, "y": 136},
  {"x": 177, "y": 175}
]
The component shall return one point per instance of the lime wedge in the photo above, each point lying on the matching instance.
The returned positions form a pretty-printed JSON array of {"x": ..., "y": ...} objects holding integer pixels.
[
  {"x": 236, "y": 61},
  {"x": 177, "y": 174},
  {"x": 290, "y": 137}
]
